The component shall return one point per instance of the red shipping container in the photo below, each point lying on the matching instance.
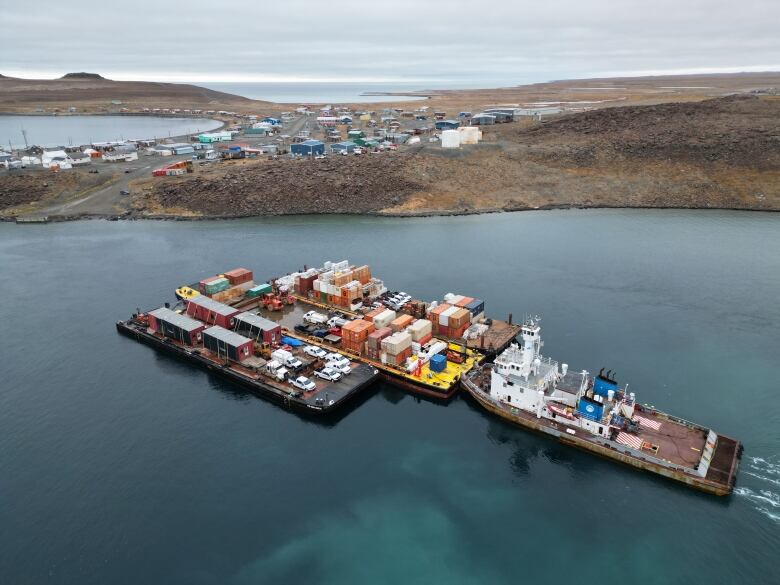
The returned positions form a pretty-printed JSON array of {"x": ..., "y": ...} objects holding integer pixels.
[
  {"x": 375, "y": 338},
  {"x": 211, "y": 312},
  {"x": 371, "y": 314},
  {"x": 238, "y": 276},
  {"x": 425, "y": 339}
]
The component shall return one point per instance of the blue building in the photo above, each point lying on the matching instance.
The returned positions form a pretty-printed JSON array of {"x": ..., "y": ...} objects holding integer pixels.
[
  {"x": 340, "y": 147},
  {"x": 308, "y": 148},
  {"x": 447, "y": 124}
]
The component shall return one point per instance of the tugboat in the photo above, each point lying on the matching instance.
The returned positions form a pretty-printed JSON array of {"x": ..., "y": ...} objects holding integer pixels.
[{"x": 595, "y": 414}]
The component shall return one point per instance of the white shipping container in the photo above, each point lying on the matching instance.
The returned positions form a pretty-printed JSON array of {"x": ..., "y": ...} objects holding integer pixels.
[
  {"x": 444, "y": 317},
  {"x": 384, "y": 318},
  {"x": 420, "y": 329},
  {"x": 316, "y": 285},
  {"x": 396, "y": 343}
]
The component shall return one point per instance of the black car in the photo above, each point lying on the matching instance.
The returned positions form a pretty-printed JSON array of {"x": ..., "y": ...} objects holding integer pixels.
[
  {"x": 301, "y": 329},
  {"x": 124, "y": 192}
]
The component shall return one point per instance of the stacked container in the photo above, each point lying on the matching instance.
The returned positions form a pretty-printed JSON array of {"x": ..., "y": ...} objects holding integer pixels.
[
  {"x": 259, "y": 328},
  {"x": 435, "y": 314},
  {"x": 362, "y": 274},
  {"x": 477, "y": 308},
  {"x": 421, "y": 331},
  {"x": 238, "y": 276},
  {"x": 215, "y": 284},
  {"x": 400, "y": 323},
  {"x": 397, "y": 348},
  {"x": 384, "y": 318},
  {"x": 374, "y": 342},
  {"x": 354, "y": 334},
  {"x": 459, "y": 321}
]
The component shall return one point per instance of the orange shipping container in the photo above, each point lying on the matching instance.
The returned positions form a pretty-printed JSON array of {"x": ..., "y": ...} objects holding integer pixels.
[
  {"x": 459, "y": 318},
  {"x": 375, "y": 313},
  {"x": 464, "y": 301},
  {"x": 401, "y": 323},
  {"x": 357, "y": 330}
]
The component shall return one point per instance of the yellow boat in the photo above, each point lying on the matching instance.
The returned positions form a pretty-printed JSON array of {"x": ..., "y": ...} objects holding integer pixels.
[{"x": 185, "y": 293}]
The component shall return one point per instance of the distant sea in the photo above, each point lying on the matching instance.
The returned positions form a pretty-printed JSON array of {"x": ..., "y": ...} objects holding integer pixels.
[{"x": 328, "y": 92}]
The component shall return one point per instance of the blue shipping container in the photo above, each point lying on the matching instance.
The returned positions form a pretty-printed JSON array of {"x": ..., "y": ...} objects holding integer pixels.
[
  {"x": 476, "y": 307},
  {"x": 438, "y": 363},
  {"x": 590, "y": 409}
]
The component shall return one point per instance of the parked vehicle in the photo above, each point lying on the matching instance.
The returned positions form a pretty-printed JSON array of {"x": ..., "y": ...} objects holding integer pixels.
[
  {"x": 314, "y": 351},
  {"x": 315, "y": 318},
  {"x": 277, "y": 370},
  {"x": 328, "y": 373},
  {"x": 303, "y": 383},
  {"x": 287, "y": 359},
  {"x": 338, "y": 362}
]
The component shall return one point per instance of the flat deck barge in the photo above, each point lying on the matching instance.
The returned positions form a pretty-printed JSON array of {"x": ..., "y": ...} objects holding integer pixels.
[{"x": 326, "y": 397}]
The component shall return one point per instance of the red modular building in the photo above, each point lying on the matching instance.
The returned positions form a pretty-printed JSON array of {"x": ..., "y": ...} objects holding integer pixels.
[
  {"x": 227, "y": 344},
  {"x": 175, "y": 326},
  {"x": 212, "y": 312},
  {"x": 258, "y": 328}
]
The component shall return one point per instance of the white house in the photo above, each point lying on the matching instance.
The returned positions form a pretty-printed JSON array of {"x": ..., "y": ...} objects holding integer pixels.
[
  {"x": 48, "y": 157},
  {"x": 78, "y": 158}
]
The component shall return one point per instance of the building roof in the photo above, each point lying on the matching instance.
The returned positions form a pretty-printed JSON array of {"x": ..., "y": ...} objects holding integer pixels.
[
  {"x": 214, "y": 306},
  {"x": 257, "y": 321},
  {"x": 229, "y": 337},
  {"x": 182, "y": 321},
  {"x": 77, "y": 155}
]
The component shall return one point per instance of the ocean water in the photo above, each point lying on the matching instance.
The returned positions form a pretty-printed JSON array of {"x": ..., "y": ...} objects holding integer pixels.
[
  {"x": 331, "y": 92},
  {"x": 121, "y": 465},
  {"x": 75, "y": 130}
]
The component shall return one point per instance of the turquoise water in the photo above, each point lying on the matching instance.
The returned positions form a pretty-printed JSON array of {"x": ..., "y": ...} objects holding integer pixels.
[
  {"x": 74, "y": 130},
  {"x": 121, "y": 465}
]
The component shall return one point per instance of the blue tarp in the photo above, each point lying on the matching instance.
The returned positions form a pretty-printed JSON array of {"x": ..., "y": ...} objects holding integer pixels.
[{"x": 291, "y": 341}]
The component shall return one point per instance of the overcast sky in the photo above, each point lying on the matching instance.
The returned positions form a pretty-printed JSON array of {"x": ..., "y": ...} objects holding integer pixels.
[{"x": 506, "y": 42}]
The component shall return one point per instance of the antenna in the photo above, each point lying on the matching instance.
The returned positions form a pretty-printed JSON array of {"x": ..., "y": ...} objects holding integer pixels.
[{"x": 24, "y": 134}]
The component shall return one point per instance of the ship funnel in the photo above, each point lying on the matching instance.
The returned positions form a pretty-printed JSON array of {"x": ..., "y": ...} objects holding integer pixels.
[{"x": 601, "y": 372}]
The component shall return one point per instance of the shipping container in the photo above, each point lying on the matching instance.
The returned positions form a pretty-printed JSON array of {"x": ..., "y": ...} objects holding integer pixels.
[
  {"x": 401, "y": 322},
  {"x": 438, "y": 363},
  {"x": 464, "y": 301},
  {"x": 590, "y": 408},
  {"x": 227, "y": 344},
  {"x": 356, "y": 331},
  {"x": 476, "y": 307},
  {"x": 420, "y": 329},
  {"x": 459, "y": 318},
  {"x": 216, "y": 285},
  {"x": 259, "y": 290},
  {"x": 258, "y": 328},
  {"x": 175, "y": 326},
  {"x": 238, "y": 276},
  {"x": 384, "y": 318},
  {"x": 444, "y": 316},
  {"x": 396, "y": 343},
  {"x": 375, "y": 313},
  {"x": 211, "y": 311},
  {"x": 375, "y": 338}
]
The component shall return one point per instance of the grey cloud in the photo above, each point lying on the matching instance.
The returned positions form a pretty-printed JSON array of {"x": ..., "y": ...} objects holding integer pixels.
[{"x": 498, "y": 42}]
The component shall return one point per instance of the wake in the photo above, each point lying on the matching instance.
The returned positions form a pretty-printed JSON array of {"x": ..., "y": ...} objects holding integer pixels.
[{"x": 765, "y": 501}]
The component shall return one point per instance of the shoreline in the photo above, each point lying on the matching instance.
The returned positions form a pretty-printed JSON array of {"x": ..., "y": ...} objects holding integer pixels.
[{"x": 130, "y": 216}]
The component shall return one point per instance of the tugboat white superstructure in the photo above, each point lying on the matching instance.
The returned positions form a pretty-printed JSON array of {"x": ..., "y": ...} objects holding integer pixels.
[{"x": 595, "y": 414}]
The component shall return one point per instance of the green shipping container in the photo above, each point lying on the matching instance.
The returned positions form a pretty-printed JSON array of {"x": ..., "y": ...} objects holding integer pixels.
[
  {"x": 259, "y": 290},
  {"x": 216, "y": 285}
]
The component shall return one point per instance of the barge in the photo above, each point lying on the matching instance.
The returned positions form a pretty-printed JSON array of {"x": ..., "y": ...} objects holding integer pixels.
[
  {"x": 596, "y": 415},
  {"x": 252, "y": 373}
]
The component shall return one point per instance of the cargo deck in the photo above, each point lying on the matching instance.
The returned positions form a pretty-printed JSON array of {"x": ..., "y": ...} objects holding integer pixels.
[{"x": 326, "y": 397}]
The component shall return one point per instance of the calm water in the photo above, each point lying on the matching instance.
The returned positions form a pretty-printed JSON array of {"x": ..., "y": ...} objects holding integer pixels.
[
  {"x": 329, "y": 92},
  {"x": 120, "y": 465},
  {"x": 77, "y": 130}
]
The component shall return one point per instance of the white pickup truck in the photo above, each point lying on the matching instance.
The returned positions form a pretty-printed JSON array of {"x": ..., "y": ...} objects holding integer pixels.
[{"x": 315, "y": 318}]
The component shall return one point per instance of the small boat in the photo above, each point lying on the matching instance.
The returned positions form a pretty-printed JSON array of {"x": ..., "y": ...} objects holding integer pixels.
[{"x": 186, "y": 293}]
